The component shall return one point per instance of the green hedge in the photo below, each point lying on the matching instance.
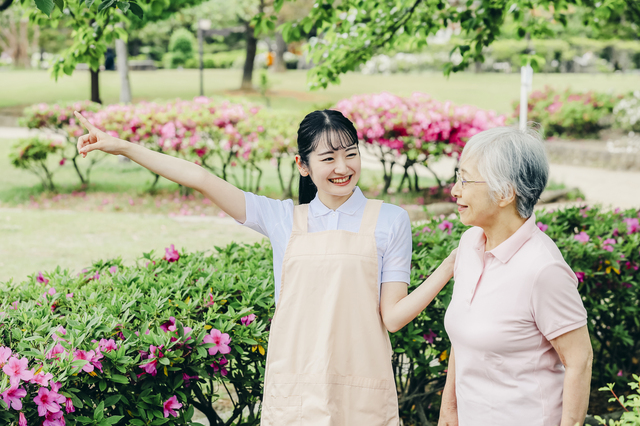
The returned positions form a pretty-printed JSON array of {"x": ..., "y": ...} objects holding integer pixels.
[{"x": 180, "y": 298}]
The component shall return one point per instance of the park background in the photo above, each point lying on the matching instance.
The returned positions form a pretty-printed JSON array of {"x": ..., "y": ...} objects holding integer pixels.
[{"x": 229, "y": 63}]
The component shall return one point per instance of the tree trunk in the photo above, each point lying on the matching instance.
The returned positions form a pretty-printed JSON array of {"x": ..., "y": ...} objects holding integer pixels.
[
  {"x": 281, "y": 47},
  {"x": 252, "y": 46},
  {"x": 95, "y": 86},
  {"x": 122, "y": 57}
]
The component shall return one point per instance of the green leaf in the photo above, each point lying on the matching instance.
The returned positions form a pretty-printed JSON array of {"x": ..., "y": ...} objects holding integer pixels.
[
  {"x": 159, "y": 421},
  {"x": 136, "y": 422},
  {"x": 60, "y": 4},
  {"x": 113, "y": 420},
  {"x": 105, "y": 4},
  {"x": 86, "y": 420},
  {"x": 98, "y": 413},
  {"x": 123, "y": 6},
  {"x": 119, "y": 379},
  {"x": 102, "y": 385},
  {"x": 46, "y": 6}
]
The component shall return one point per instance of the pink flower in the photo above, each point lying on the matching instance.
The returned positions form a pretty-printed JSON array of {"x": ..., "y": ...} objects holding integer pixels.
[
  {"x": 42, "y": 378},
  {"x": 22, "y": 420},
  {"x": 582, "y": 237},
  {"x": 171, "y": 254},
  {"x": 219, "y": 367},
  {"x": 62, "y": 161},
  {"x": 606, "y": 244},
  {"x": 426, "y": 229},
  {"x": 69, "y": 408},
  {"x": 542, "y": 226},
  {"x": 57, "y": 349},
  {"x": 430, "y": 336},
  {"x": 580, "y": 276},
  {"x": 169, "y": 325},
  {"x": 107, "y": 345},
  {"x": 170, "y": 405},
  {"x": 5, "y": 353},
  {"x": 41, "y": 279},
  {"x": 248, "y": 319},
  {"x": 188, "y": 378},
  {"x": 17, "y": 370},
  {"x": 221, "y": 341},
  {"x": 60, "y": 330},
  {"x": 114, "y": 268},
  {"x": 633, "y": 225},
  {"x": 85, "y": 356},
  {"x": 150, "y": 367},
  {"x": 48, "y": 401},
  {"x": 69, "y": 295},
  {"x": 54, "y": 419},
  {"x": 619, "y": 373},
  {"x": 13, "y": 397},
  {"x": 446, "y": 226}
]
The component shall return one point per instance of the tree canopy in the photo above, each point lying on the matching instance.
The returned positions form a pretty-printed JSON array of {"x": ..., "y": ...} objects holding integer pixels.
[{"x": 350, "y": 32}]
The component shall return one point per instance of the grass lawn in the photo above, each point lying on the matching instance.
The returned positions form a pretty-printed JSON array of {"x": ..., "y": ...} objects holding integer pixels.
[{"x": 289, "y": 90}]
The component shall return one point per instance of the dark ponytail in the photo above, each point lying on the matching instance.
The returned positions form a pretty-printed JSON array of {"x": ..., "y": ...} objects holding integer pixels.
[{"x": 329, "y": 126}]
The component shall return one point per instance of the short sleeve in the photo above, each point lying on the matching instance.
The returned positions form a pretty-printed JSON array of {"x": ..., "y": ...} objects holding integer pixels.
[
  {"x": 556, "y": 304},
  {"x": 396, "y": 260},
  {"x": 266, "y": 215}
]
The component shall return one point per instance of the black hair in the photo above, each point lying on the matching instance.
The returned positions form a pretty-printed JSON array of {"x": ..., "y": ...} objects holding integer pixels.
[{"x": 328, "y": 126}]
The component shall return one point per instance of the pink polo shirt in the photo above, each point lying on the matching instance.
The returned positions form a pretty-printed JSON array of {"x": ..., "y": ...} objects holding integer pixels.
[{"x": 507, "y": 304}]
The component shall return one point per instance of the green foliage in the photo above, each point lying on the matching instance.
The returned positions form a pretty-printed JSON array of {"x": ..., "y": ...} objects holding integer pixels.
[
  {"x": 31, "y": 154},
  {"x": 182, "y": 48},
  {"x": 199, "y": 291},
  {"x": 216, "y": 60},
  {"x": 631, "y": 405},
  {"x": 570, "y": 114}
]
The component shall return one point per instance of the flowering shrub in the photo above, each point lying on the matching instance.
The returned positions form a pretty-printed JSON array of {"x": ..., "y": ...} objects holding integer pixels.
[
  {"x": 627, "y": 112},
  {"x": 570, "y": 114},
  {"x": 137, "y": 345},
  {"x": 59, "y": 120},
  {"x": 169, "y": 334},
  {"x": 31, "y": 154},
  {"x": 412, "y": 130}
]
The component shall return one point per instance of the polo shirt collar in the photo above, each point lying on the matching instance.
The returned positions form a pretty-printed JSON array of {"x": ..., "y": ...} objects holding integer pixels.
[
  {"x": 511, "y": 245},
  {"x": 350, "y": 207}
]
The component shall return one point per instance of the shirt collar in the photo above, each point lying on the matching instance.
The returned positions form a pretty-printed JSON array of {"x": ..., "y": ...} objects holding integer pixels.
[
  {"x": 350, "y": 207},
  {"x": 511, "y": 245}
]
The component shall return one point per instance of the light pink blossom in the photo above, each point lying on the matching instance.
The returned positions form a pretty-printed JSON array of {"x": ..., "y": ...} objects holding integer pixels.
[
  {"x": 221, "y": 341},
  {"x": 170, "y": 405},
  {"x": 5, "y": 353},
  {"x": 85, "y": 356},
  {"x": 17, "y": 370},
  {"x": 41, "y": 279},
  {"x": 42, "y": 378},
  {"x": 13, "y": 397},
  {"x": 22, "y": 421},
  {"x": 542, "y": 226},
  {"x": 582, "y": 237},
  {"x": 48, "y": 401}
]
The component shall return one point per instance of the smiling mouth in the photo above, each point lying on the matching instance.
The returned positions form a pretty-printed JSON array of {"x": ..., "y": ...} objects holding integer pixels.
[
  {"x": 341, "y": 181},
  {"x": 462, "y": 207}
]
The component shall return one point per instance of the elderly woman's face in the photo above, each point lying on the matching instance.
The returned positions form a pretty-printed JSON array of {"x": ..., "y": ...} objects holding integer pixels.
[{"x": 475, "y": 206}]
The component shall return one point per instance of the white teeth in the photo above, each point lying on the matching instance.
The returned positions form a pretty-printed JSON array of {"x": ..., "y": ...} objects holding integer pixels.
[{"x": 342, "y": 180}]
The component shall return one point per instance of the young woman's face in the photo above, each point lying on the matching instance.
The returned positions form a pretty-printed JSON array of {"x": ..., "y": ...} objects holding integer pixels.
[{"x": 334, "y": 172}]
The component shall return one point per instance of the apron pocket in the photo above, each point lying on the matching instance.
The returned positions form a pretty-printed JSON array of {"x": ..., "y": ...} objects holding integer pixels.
[{"x": 282, "y": 410}]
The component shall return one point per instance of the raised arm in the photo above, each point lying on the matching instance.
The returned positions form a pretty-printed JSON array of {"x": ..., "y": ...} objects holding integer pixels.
[{"x": 226, "y": 196}]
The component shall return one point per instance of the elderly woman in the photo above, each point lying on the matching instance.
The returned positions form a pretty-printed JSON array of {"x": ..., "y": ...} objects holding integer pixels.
[{"x": 521, "y": 353}]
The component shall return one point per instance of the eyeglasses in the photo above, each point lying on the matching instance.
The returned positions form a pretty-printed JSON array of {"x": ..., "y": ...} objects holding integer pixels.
[{"x": 464, "y": 182}]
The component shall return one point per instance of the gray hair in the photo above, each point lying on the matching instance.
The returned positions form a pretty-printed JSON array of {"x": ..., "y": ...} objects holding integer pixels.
[{"x": 511, "y": 160}]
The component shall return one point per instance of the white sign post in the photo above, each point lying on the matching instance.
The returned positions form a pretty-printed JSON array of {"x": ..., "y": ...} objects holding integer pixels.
[{"x": 526, "y": 81}]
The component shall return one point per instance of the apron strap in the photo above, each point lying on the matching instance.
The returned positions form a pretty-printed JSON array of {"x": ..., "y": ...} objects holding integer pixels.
[
  {"x": 300, "y": 218},
  {"x": 370, "y": 217}
]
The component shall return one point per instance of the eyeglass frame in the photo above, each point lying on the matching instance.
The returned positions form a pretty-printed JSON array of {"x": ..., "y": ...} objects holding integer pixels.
[{"x": 463, "y": 182}]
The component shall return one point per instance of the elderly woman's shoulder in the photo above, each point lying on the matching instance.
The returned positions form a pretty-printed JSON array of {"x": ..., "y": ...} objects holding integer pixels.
[{"x": 475, "y": 233}]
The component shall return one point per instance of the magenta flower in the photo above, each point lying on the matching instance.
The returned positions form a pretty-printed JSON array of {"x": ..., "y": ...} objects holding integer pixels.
[
  {"x": 22, "y": 421},
  {"x": 5, "y": 353},
  {"x": 218, "y": 366},
  {"x": 17, "y": 370},
  {"x": 429, "y": 336},
  {"x": 582, "y": 237},
  {"x": 211, "y": 302},
  {"x": 48, "y": 401},
  {"x": 107, "y": 345},
  {"x": 54, "y": 419},
  {"x": 426, "y": 229},
  {"x": 580, "y": 276},
  {"x": 221, "y": 341},
  {"x": 248, "y": 319},
  {"x": 114, "y": 268},
  {"x": 542, "y": 226},
  {"x": 606, "y": 245},
  {"x": 42, "y": 378},
  {"x": 169, "y": 325},
  {"x": 171, "y": 254},
  {"x": 150, "y": 367},
  {"x": 13, "y": 397},
  {"x": 633, "y": 225},
  {"x": 69, "y": 408},
  {"x": 60, "y": 330},
  {"x": 187, "y": 378},
  {"x": 85, "y": 356},
  {"x": 446, "y": 226},
  {"x": 170, "y": 405},
  {"x": 41, "y": 279}
]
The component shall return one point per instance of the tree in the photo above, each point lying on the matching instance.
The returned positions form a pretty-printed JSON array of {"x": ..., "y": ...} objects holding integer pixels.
[
  {"x": 17, "y": 38},
  {"x": 352, "y": 31}
]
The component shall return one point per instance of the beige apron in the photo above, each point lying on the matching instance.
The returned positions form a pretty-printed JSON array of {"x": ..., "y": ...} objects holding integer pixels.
[{"x": 329, "y": 355}]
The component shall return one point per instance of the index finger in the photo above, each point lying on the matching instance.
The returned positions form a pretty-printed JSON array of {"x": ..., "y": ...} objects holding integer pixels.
[{"x": 84, "y": 121}]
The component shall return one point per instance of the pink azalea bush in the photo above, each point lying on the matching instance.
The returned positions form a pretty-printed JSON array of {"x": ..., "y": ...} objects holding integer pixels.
[{"x": 146, "y": 344}]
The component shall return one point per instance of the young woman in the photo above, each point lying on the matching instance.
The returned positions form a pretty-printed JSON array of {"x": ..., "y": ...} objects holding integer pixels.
[{"x": 341, "y": 266}]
